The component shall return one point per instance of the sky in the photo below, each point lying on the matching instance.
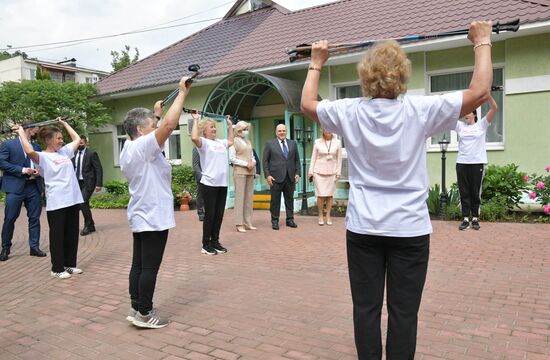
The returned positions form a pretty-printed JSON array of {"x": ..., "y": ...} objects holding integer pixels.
[{"x": 25, "y": 23}]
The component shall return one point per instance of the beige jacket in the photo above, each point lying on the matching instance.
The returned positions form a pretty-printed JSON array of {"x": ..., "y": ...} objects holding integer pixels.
[{"x": 326, "y": 158}]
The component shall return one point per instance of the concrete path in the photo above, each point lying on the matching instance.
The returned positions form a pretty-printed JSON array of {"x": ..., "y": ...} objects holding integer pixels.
[{"x": 276, "y": 295}]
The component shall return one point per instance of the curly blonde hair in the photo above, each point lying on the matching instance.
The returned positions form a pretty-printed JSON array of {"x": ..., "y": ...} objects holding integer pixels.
[
  {"x": 384, "y": 70},
  {"x": 203, "y": 124}
]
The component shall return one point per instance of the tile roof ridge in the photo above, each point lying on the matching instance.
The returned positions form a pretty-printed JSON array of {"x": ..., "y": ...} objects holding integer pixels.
[
  {"x": 312, "y": 8},
  {"x": 536, "y": 2}
]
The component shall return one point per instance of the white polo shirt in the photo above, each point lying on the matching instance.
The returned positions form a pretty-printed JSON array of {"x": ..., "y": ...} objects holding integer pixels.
[
  {"x": 386, "y": 148},
  {"x": 214, "y": 162},
  {"x": 62, "y": 188},
  {"x": 151, "y": 206},
  {"x": 471, "y": 142}
]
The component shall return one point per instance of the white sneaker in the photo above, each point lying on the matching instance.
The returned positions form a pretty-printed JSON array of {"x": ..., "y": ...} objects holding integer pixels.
[
  {"x": 61, "y": 275},
  {"x": 73, "y": 270},
  {"x": 131, "y": 317},
  {"x": 151, "y": 320}
]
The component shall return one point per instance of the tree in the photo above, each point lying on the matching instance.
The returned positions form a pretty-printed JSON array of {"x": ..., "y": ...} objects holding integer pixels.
[
  {"x": 42, "y": 74},
  {"x": 6, "y": 55},
  {"x": 122, "y": 59},
  {"x": 48, "y": 99}
]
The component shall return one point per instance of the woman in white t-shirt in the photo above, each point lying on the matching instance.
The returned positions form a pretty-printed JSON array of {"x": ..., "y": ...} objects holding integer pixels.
[
  {"x": 213, "y": 184},
  {"x": 63, "y": 196},
  {"x": 387, "y": 219},
  {"x": 470, "y": 162},
  {"x": 151, "y": 206}
]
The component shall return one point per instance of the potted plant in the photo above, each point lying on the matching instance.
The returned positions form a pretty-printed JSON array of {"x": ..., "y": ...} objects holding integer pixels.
[{"x": 184, "y": 197}]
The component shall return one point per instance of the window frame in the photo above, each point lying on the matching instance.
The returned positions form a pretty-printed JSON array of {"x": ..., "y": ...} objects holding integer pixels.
[{"x": 453, "y": 145}]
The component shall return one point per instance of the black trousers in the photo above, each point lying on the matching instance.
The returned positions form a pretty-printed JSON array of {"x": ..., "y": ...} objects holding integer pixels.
[
  {"x": 200, "y": 201},
  {"x": 402, "y": 263},
  {"x": 287, "y": 188},
  {"x": 63, "y": 237},
  {"x": 214, "y": 207},
  {"x": 85, "y": 206},
  {"x": 470, "y": 181},
  {"x": 146, "y": 259}
]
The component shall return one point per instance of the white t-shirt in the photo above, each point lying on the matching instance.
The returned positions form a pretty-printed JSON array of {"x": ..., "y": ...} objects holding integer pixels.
[
  {"x": 471, "y": 142},
  {"x": 386, "y": 148},
  {"x": 151, "y": 206},
  {"x": 214, "y": 162},
  {"x": 62, "y": 188}
]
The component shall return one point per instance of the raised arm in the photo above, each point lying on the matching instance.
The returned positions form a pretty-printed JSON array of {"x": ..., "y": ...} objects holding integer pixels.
[
  {"x": 73, "y": 134},
  {"x": 492, "y": 110},
  {"x": 195, "y": 136},
  {"x": 27, "y": 147},
  {"x": 319, "y": 55},
  {"x": 479, "y": 90},
  {"x": 172, "y": 118},
  {"x": 229, "y": 131}
]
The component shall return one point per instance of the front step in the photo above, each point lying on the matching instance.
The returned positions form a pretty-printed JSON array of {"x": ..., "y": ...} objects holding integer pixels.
[{"x": 261, "y": 201}]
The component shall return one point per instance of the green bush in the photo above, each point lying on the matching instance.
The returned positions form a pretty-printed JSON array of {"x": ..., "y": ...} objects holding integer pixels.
[
  {"x": 453, "y": 210},
  {"x": 183, "y": 179},
  {"x": 496, "y": 208},
  {"x": 109, "y": 201},
  {"x": 116, "y": 187},
  {"x": 433, "y": 200},
  {"x": 504, "y": 183}
]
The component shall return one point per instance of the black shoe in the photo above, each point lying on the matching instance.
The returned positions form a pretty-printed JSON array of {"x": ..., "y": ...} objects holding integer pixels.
[
  {"x": 218, "y": 247},
  {"x": 475, "y": 225},
  {"x": 87, "y": 231},
  {"x": 37, "y": 252},
  {"x": 201, "y": 217},
  {"x": 464, "y": 225},
  {"x": 4, "y": 254},
  {"x": 208, "y": 250},
  {"x": 291, "y": 223},
  {"x": 275, "y": 225}
]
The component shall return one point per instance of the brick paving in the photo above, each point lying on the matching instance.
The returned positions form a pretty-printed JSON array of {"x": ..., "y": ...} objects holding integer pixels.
[{"x": 275, "y": 295}]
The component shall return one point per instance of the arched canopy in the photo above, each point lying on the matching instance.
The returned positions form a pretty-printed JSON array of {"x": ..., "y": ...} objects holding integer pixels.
[{"x": 239, "y": 93}]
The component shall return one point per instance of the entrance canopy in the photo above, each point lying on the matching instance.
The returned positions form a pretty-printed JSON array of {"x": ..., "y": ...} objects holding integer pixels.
[{"x": 238, "y": 94}]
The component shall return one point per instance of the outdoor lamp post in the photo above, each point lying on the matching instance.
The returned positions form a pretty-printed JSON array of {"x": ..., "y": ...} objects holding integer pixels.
[
  {"x": 443, "y": 144},
  {"x": 304, "y": 139}
]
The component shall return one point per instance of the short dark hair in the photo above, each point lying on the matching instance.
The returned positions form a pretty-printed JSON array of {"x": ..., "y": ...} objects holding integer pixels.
[{"x": 84, "y": 137}]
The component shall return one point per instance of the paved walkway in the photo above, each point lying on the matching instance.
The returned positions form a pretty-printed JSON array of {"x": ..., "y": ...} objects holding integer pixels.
[{"x": 275, "y": 295}]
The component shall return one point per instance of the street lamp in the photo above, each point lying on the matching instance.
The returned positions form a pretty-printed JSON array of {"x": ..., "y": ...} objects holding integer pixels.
[
  {"x": 443, "y": 144},
  {"x": 304, "y": 140}
]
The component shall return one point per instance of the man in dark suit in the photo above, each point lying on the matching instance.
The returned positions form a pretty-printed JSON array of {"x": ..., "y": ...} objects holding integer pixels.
[
  {"x": 90, "y": 179},
  {"x": 22, "y": 185},
  {"x": 282, "y": 172}
]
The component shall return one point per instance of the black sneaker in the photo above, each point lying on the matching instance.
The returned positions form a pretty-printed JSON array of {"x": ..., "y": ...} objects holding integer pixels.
[
  {"x": 475, "y": 225},
  {"x": 465, "y": 224},
  {"x": 208, "y": 250},
  {"x": 218, "y": 247}
]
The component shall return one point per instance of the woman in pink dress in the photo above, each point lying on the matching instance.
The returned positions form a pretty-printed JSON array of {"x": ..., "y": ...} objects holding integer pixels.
[{"x": 324, "y": 169}]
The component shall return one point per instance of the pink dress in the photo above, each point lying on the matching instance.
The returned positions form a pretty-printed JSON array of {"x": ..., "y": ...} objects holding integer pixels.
[{"x": 326, "y": 163}]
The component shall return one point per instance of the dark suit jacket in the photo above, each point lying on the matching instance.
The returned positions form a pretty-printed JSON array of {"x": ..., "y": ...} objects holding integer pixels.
[
  {"x": 92, "y": 172},
  {"x": 276, "y": 165},
  {"x": 197, "y": 171},
  {"x": 12, "y": 162}
]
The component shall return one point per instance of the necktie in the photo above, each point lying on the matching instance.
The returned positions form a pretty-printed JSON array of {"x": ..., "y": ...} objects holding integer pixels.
[
  {"x": 285, "y": 149},
  {"x": 78, "y": 164}
]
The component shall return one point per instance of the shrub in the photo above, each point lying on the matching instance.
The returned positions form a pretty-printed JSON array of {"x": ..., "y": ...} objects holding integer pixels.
[
  {"x": 116, "y": 187},
  {"x": 495, "y": 209},
  {"x": 539, "y": 186},
  {"x": 504, "y": 183},
  {"x": 453, "y": 210},
  {"x": 109, "y": 201},
  {"x": 433, "y": 200},
  {"x": 183, "y": 179}
]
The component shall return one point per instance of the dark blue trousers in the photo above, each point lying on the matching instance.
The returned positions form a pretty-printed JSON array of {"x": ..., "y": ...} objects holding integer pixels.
[{"x": 32, "y": 199}]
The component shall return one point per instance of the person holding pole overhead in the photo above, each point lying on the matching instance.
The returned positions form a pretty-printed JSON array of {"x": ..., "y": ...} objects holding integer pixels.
[
  {"x": 213, "y": 184},
  {"x": 387, "y": 220},
  {"x": 470, "y": 162},
  {"x": 151, "y": 206},
  {"x": 63, "y": 197}
]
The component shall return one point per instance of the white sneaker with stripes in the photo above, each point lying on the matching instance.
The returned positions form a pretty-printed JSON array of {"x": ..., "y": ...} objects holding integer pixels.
[
  {"x": 60, "y": 275},
  {"x": 150, "y": 321},
  {"x": 73, "y": 270}
]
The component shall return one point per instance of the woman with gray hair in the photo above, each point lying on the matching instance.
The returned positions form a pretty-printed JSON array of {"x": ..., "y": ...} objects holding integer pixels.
[
  {"x": 387, "y": 220},
  {"x": 151, "y": 206},
  {"x": 244, "y": 170}
]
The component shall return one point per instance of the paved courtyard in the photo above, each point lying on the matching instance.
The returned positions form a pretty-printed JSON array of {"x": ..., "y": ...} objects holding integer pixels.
[{"x": 275, "y": 295}]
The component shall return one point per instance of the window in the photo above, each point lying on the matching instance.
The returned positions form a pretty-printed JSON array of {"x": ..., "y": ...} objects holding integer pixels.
[
  {"x": 91, "y": 80},
  {"x": 121, "y": 138},
  {"x": 444, "y": 83},
  {"x": 33, "y": 74},
  {"x": 172, "y": 147}
]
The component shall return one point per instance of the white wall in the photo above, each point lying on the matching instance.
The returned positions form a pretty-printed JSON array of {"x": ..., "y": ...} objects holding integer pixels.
[{"x": 10, "y": 69}]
